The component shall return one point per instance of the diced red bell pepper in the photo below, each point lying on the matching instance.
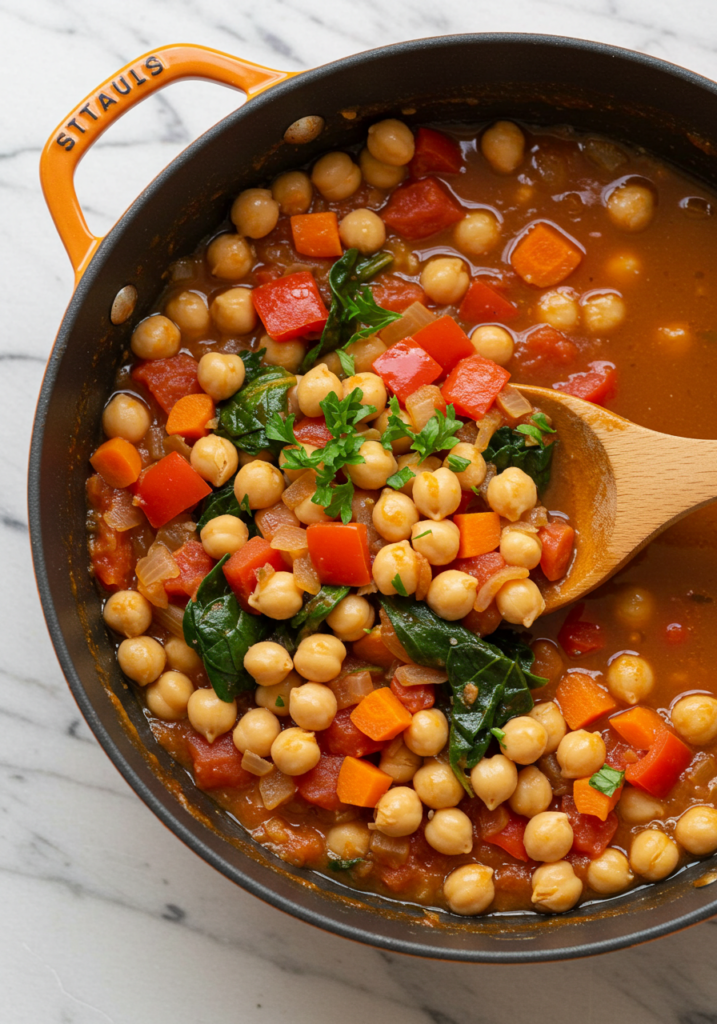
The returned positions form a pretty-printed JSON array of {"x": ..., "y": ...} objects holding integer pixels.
[
  {"x": 510, "y": 837},
  {"x": 661, "y": 767},
  {"x": 590, "y": 835},
  {"x": 483, "y": 305},
  {"x": 576, "y": 637},
  {"x": 421, "y": 208},
  {"x": 395, "y": 294},
  {"x": 415, "y": 698},
  {"x": 313, "y": 430},
  {"x": 473, "y": 385},
  {"x": 318, "y": 786},
  {"x": 445, "y": 341},
  {"x": 240, "y": 570},
  {"x": 639, "y": 726},
  {"x": 405, "y": 367},
  {"x": 344, "y": 739},
  {"x": 168, "y": 380},
  {"x": 558, "y": 540},
  {"x": 340, "y": 553},
  {"x": 480, "y": 567},
  {"x": 291, "y": 306},
  {"x": 435, "y": 153},
  {"x": 194, "y": 564},
  {"x": 217, "y": 765},
  {"x": 169, "y": 487},
  {"x": 594, "y": 385}
]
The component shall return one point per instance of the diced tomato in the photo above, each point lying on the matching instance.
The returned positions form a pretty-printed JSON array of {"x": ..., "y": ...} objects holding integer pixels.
[
  {"x": 482, "y": 304},
  {"x": 472, "y": 386},
  {"x": 291, "y": 306},
  {"x": 545, "y": 348},
  {"x": 241, "y": 569},
  {"x": 318, "y": 786},
  {"x": 618, "y": 753},
  {"x": 112, "y": 557},
  {"x": 343, "y": 738},
  {"x": 393, "y": 293},
  {"x": 340, "y": 553},
  {"x": 558, "y": 540},
  {"x": 422, "y": 861},
  {"x": 217, "y": 765},
  {"x": 435, "y": 153},
  {"x": 480, "y": 567},
  {"x": 168, "y": 380},
  {"x": 169, "y": 487},
  {"x": 515, "y": 879},
  {"x": 421, "y": 208},
  {"x": 415, "y": 698},
  {"x": 590, "y": 835},
  {"x": 483, "y": 623},
  {"x": 445, "y": 341},
  {"x": 194, "y": 564},
  {"x": 405, "y": 367},
  {"x": 267, "y": 272},
  {"x": 510, "y": 836},
  {"x": 313, "y": 430},
  {"x": 577, "y": 638},
  {"x": 676, "y": 633},
  {"x": 594, "y": 385},
  {"x": 658, "y": 771}
]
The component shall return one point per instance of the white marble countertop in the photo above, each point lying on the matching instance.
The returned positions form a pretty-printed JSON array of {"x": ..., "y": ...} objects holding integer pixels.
[{"x": 105, "y": 915}]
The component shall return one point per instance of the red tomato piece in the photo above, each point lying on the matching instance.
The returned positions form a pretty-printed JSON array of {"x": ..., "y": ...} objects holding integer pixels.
[
  {"x": 343, "y": 738},
  {"x": 240, "y": 570},
  {"x": 313, "y": 430},
  {"x": 661, "y": 767},
  {"x": 421, "y": 208},
  {"x": 415, "y": 698},
  {"x": 194, "y": 564},
  {"x": 482, "y": 304},
  {"x": 168, "y": 380},
  {"x": 445, "y": 341},
  {"x": 217, "y": 765},
  {"x": 558, "y": 540},
  {"x": 318, "y": 786},
  {"x": 590, "y": 835},
  {"x": 169, "y": 487},
  {"x": 480, "y": 567},
  {"x": 267, "y": 272},
  {"x": 405, "y": 367},
  {"x": 395, "y": 294},
  {"x": 576, "y": 637},
  {"x": 112, "y": 557},
  {"x": 291, "y": 306},
  {"x": 510, "y": 837},
  {"x": 473, "y": 385},
  {"x": 594, "y": 385},
  {"x": 676, "y": 633},
  {"x": 340, "y": 553},
  {"x": 545, "y": 348},
  {"x": 435, "y": 153}
]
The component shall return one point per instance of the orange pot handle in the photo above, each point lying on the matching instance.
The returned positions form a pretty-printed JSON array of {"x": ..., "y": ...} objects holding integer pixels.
[{"x": 133, "y": 83}]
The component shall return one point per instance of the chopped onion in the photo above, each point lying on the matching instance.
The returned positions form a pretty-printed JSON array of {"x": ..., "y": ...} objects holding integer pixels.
[
  {"x": 512, "y": 404},
  {"x": 305, "y": 575},
  {"x": 263, "y": 575},
  {"x": 390, "y": 639},
  {"x": 276, "y": 789},
  {"x": 425, "y": 576},
  {"x": 170, "y": 618},
  {"x": 153, "y": 439},
  {"x": 414, "y": 318},
  {"x": 176, "y": 443},
  {"x": 486, "y": 428},
  {"x": 123, "y": 515},
  {"x": 389, "y": 850},
  {"x": 537, "y": 516},
  {"x": 351, "y": 688},
  {"x": 499, "y": 819},
  {"x": 177, "y": 532},
  {"x": 291, "y": 539},
  {"x": 370, "y": 434},
  {"x": 362, "y": 506},
  {"x": 419, "y": 675},
  {"x": 251, "y": 762},
  {"x": 370, "y": 588},
  {"x": 421, "y": 405},
  {"x": 491, "y": 587},
  {"x": 270, "y": 520},
  {"x": 490, "y": 472},
  {"x": 300, "y": 490},
  {"x": 152, "y": 571}
]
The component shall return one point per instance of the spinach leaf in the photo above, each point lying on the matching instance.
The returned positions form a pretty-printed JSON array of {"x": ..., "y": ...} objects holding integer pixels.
[
  {"x": 513, "y": 647},
  {"x": 508, "y": 448},
  {"x": 316, "y": 609},
  {"x": 221, "y": 633},
  {"x": 343, "y": 865},
  {"x": 252, "y": 364},
  {"x": 243, "y": 417},
  {"x": 223, "y": 503},
  {"x": 426, "y": 638}
]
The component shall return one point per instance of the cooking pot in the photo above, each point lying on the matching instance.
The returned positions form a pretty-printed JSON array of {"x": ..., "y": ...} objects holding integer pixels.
[{"x": 470, "y": 78}]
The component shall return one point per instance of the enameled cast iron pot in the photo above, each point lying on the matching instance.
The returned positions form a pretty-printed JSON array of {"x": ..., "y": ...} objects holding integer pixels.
[{"x": 471, "y": 78}]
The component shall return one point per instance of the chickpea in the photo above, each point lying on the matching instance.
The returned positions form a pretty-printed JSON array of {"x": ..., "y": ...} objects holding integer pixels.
[
  {"x": 215, "y": 459},
  {"x": 230, "y": 257},
  {"x": 560, "y": 309},
  {"x": 363, "y": 230},
  {"x": 276, "y": 698},
  {"x": 399, "y": 762},
  {"x": 313, "y": 706},
  {"x": 351, "y": 618},
  {"x": 631, "y": 207},
  {"x": 437, "y": 785},
  {"x": 391, "y": 141},
  {"x": 279, "y": 598},
  {"x": 189, "y": 311},
  {"x": 450, "y": 831},
  {"x": 220, "y": 375},
  {"x": 373, "y": 388},
  {"x": 125, "y": 416},
  {"x": 377, "y": 467},
  {"x": 610, "y": 873},
  {"x": 295, "y": 751},
  {"x": 548, "y": 836},
  {"x": 314, "y": 387},
  {"x": 580, "y": 754},
  {"x": 128, "y": 612},
  {"x": 695, "y": 718},
  {"x": 256, "y": 731},
  {"x": 319, "y": 657},
  {"x": 410, "y": 459},
  {"x": 255, "y": 212},
  {"x": 142, "y": 659},
  {"x": 437, "y": 494},
  {"x": 653, "y": 855},
  {"x": 209, "y": 715},
  {"x": 469, "y": 890},
  {"x": 336, "y": 176},
  {"x": 548, "y": 714},
  {"x": 520, "y": 601},
  {"x": 452, "y": 594},
  {"x": 634, "y": 607},
  {"x": 603, "y": 313},
  {"x": 156, "y": 337},
  {"x": 445, "y": 280},
  {"x": 293, "y": 191},
  {"x": 437, "y": 542},
  {"x": 348, "y": 841},
  {"x": 474, "y": 474},
  {"x": 180, "y": 656},
  {"x": 639, "y": 808},
  {"x": 233, "y": 311},
  {"x": 696, "y": 830},
  {"x": 630, "y": 678},
  {"x": 169, "y": 696},
  {"x": 224, "y": 535},
  {"x": 477, "y": 233},
  {"x": 503, "y": 146},
  {"x": 675, "y": 340},
  {"x": 556, "y": 887},
  {"x": 396, "y": 560},
  {"x": 494, "y": 780},
  {"x": 308, "y": 512},
  {"x": 378, "y": 174},
  {"x": 533, "y": 793},
  {"x": 289, "y": 354},
  {"x": 394, "y": 515},
  {"x": 427, "y": 734},
  {"x": 399, "y": 812},
  {"x": 494, "y": 343},
  {"x": 519, "y": 548},
  {"x": 365, "y": 352},
  {"x": 511, "y": 493},
  {"x": 626, "y": 267},
  {"x": 260, "y": 482},
  {"x": 525, "y": 739},
  {"x": 268, "y": 663}
]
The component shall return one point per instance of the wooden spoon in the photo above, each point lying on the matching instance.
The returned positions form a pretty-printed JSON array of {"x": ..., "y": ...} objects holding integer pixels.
[{"x": 625, "y": 485}]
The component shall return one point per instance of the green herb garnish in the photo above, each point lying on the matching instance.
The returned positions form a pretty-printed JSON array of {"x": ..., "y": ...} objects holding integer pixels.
[
  {"x": 457, "y": 463},
  {"x": 499, "y": 735},
  {"x": 508, "y": 448},
  {"x": 436, "y": 436},
  {"x": 279, "y": 703},
  {"x": 607, "y": 780},
  {"x": 540, "y": 428},
  {"x": 335, "y": 864},
  {"x": 397, "y": 584},
  {"x": 400, "y": 479},
  {"x": 426, "y": 533}
]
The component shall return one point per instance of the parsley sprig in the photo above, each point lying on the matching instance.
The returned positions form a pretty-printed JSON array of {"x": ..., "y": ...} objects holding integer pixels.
[
  {"x": 607, "y": 780},
  {"x": 537, "y": 428},
  {"x": 437, "y": 435}
]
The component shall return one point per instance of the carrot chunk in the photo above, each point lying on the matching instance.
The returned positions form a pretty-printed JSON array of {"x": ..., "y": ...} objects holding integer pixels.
[
  {"x": 639, "y": 727},
  {"x": 118, "y": 462},
  {"x": 480, "y": 533},
  {"x": 381, "y": 715},
  {"x": 316, "y": 234},
  {"x": 189, "y": 417},
  {"x": 581, "y": 700},
  {"x": 545, "y": 256},
  {"x": 592, "y": 801},
  {"x": 372, "y": 649},
  {"x": 361, "y": 783}
]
